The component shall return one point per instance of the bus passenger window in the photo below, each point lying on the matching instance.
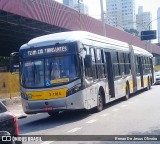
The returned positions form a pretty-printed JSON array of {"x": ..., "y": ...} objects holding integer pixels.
[
  {"x": 100, "y": 63},
  {"x": 121, "y": 62},
  {"x": 116, "y": 68},
  {"x": 94, "y": 71}
]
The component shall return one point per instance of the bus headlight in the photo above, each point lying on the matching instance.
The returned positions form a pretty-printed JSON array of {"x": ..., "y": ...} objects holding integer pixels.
[
  {"x": 74, "y": 89},
  {"x": 23, "y": 95}
]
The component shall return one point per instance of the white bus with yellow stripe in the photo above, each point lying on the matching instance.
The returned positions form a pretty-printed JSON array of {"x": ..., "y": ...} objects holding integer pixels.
[{"x": 80, "y": 70}]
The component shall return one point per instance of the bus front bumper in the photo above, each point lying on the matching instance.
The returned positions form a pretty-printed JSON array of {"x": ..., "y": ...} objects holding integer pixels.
[{"x": 72, "y": 102}]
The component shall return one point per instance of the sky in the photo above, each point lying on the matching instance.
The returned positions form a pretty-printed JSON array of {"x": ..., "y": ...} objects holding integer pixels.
[{"x": 148, "y": 6}]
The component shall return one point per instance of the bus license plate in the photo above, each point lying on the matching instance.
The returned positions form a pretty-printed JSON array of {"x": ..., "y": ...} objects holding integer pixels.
[{"x": 48, "y": 108}]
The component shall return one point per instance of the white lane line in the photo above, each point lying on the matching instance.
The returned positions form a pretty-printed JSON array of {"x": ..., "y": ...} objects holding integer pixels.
[
  {"x": 115, "y": 109},
  {"x": 47, "y": 142},
  {"x": 103, "y": 115},
  {"x": 74, "y": 130},
  {"x": 124, "y": 105},
  {"x": 91, "y": 121}
]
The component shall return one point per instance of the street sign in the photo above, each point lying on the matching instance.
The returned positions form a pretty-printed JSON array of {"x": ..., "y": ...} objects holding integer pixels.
[{"x": 148, "y": 35}]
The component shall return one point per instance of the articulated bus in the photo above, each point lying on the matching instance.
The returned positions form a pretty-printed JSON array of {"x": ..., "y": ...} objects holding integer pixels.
[{"x": 80, "y": 70}]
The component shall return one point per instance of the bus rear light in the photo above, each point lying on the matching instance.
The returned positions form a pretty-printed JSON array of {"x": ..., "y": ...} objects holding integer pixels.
[{"x": 74, "y": 89}]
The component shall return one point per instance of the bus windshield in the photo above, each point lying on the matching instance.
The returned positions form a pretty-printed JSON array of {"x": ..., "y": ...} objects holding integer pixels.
[{"x": 49, "y": 71}]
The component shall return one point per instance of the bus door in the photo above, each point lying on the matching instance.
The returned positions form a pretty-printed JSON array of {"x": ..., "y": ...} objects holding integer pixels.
[
  {"x": 109, "y": 73},
  {"x": 140, "y": 62}
]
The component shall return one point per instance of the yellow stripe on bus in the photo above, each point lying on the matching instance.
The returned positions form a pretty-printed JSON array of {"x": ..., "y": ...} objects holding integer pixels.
[
  {"x": 145, "y": 81},
  {"x": 131, "y": 85},
  {"x": 45, "y": 95},
  {"x": 60, "y": 80}
]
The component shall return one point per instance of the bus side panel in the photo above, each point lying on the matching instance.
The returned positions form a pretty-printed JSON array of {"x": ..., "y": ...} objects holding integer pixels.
[
  {"x": 120, "y": 84},
  {"x": 130, "y": 80},
  {"x": 92, "y": 94},
  {"x": 139, "y": 86},
  {"x": 145, "y": 81},
  {"x": 77, "y": 100}
]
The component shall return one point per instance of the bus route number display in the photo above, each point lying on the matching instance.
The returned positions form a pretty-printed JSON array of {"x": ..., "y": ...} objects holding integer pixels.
[{"x": 47, "y": 51}]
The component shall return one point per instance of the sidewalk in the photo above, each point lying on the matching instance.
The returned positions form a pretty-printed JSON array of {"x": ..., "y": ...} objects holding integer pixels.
[
  {"x": 14, "y": 106},
  {"x": 17, "y": 111}
]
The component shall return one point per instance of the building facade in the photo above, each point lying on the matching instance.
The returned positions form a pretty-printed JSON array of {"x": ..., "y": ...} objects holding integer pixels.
[
  {"x": 77, "y": 5},
  {"x": 121, "y": 13},
  {"x": 158, "y": 24},
  {"x": 143, "y": 20}
]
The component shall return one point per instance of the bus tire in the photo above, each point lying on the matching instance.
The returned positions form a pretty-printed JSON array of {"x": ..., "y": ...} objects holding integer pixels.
[
  {"x": 100, "y": 103},
  {"x": 126, "y": 97},
  {"x": 53, "y": 113}
]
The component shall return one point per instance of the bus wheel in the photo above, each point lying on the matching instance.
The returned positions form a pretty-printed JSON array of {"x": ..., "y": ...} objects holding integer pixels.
[
  {"x": 100, "y": 103},
  {"x": 126, "y": 97},
  {"x": 53, "y": 113}
]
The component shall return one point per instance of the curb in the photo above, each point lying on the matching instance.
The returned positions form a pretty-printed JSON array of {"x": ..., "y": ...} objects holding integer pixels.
[
  {"x": 11, "y": 101},
  {"x": 11, "y": 104},
  {"x": 22, "y": 116}
]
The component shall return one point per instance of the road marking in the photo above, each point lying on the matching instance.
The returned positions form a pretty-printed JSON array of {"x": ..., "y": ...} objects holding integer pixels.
[
  {"x": 115, "y": 109},
  {"x": 74, "y": 130},
  {"x": 124, "y": 105},
  {"x": 47, "y": 142},
  {"x": 91, "y": 121},
  {"x": 103, "y": 115}
]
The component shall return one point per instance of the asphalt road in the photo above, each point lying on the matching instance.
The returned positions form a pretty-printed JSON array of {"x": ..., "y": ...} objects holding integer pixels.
[{"x": 140, "y": 115}]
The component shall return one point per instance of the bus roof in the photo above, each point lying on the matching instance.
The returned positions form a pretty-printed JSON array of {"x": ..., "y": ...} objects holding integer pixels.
[
  {"x": 71, "y": 36},
  {"x": 141, "y": 51}
]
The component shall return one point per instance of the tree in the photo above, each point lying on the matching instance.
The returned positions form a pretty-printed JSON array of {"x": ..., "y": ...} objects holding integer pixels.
[{"x": 4, "y": 61}]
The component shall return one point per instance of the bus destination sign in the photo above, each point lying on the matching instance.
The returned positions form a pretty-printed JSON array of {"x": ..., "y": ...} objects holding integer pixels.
[{"x": 47, "y": 51}]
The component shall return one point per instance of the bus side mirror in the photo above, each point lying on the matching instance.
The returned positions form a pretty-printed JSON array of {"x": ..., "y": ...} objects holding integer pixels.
[
  {"x": 88, "y": 61},
  {"x": 14, "y": 62}
]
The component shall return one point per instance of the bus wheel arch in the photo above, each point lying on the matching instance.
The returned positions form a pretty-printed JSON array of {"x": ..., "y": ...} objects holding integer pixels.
[
  {"x": 100, "y": 100},
  {"x": 127, "y": 91}
]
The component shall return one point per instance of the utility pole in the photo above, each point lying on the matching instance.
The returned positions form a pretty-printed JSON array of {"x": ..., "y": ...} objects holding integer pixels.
[
  {"x": 102, "y": 18},
  {"x": 79, "y": 14},
  {"x": 102, "y": 11},
  {"x": 150, "y": 49}
]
